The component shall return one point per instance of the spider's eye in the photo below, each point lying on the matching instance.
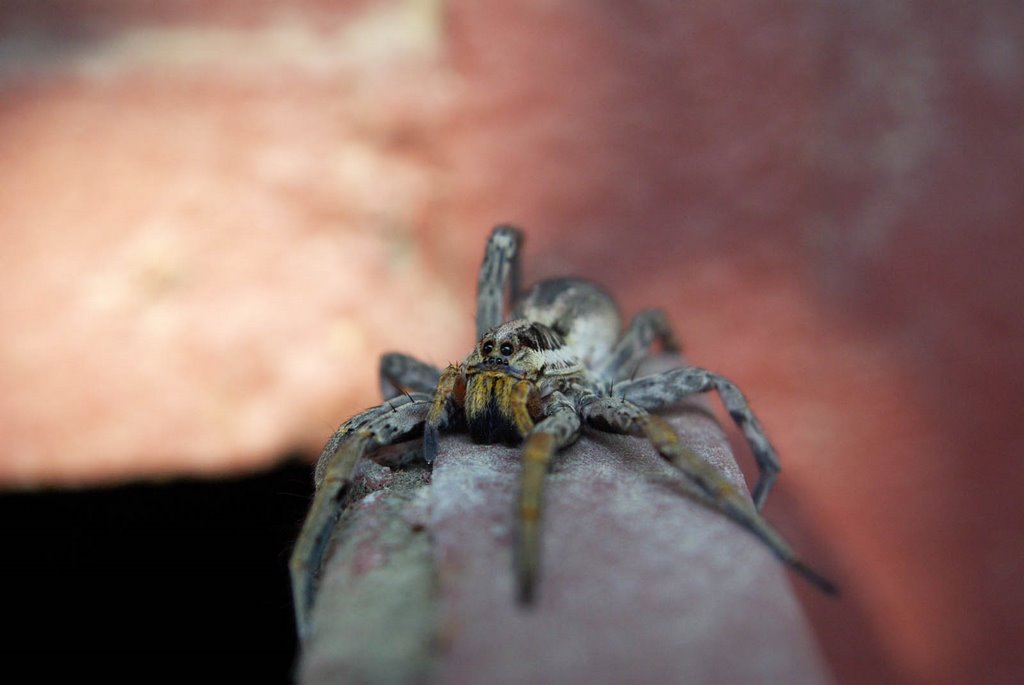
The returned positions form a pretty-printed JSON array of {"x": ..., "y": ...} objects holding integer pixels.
[
  {"x": 487, "y": 348},
  {"x": 506, "y": 349}
]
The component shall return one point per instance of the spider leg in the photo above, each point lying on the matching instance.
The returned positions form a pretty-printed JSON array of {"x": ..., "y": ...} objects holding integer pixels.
[
  {"x": 400, "y": 372},
  {"x": 358, "y": 421},
  {"x": 560, "y": 428},
  {"x": 364, "y": 433},
  {"x": 500, "y": 268},
  {"x": 622, "y": 416},
  {"x": 646, "y": 327},
  {"x": 665, "y": 389}
]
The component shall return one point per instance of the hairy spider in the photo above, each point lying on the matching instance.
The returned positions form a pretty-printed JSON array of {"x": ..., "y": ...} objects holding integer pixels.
[{"x": 560, "y": 363}]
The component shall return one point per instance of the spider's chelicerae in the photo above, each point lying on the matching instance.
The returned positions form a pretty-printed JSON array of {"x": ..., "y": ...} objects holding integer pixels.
[{"x": 560, "y": 363}]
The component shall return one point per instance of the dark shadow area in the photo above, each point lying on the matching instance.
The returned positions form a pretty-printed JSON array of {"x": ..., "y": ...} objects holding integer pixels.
[{"x": 190, "y": 572}]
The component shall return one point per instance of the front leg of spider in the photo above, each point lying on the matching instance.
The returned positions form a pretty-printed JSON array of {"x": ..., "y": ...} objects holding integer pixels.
[{"x": 378, "y": 427}]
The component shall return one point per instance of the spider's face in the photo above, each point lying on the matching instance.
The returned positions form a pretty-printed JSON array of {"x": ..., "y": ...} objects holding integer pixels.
[
  {"x": 503, "y": 373},
  {"x": 519, "y": 348}
]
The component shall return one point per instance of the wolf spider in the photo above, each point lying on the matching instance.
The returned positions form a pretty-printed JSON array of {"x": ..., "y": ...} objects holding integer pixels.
[{"x": 560, "y": 363}]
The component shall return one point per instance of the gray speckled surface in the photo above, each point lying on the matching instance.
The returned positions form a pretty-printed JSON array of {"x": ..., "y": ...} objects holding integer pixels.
[{"x": 640, "y": 583}]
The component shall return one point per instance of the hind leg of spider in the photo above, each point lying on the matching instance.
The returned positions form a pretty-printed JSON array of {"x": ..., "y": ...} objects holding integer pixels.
[
  {"x": 558, "y": 429},
  {"x": 371, "y": 430},
  {"x": 500, "y": 268},
  {"x": 623, "y": 416},
  {"x": 401, "y": 373},
  {"x": 665, "y": 389},
  {"x": 646, "y": 327}
]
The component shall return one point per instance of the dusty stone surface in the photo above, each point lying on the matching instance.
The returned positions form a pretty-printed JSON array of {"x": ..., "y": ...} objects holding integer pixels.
[
  {"x": 376, "y": 616},
  {"x": 640, "y": 584}
]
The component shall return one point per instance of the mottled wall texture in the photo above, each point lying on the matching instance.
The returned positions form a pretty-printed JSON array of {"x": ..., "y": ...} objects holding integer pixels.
[{"x": 215, "y": 216}]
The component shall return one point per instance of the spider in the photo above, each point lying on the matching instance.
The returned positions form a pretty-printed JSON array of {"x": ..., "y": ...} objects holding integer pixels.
[{"x": 560, "y": 363}]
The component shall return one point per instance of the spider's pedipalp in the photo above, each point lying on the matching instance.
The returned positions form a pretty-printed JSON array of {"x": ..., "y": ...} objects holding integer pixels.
[
  {"x": 558, "y": 429},
  {"x": 500, "y": 268},
  {"x": 616, "y": 413},
  {"x": 646, "y": 327},
  {"x": 378, "y": 427},
  {"x": 665, "y": 389},
  {"x": 451, "y": 386},
  {"x": 401, "y": 372}
]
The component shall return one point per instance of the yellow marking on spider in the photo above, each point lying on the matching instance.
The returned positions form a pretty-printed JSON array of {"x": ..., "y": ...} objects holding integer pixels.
[
  {"x": 538, "y": 448},
  {"x": 483, "y": 387},
  {"x": 508, "y": 396},
  {"x": 536, "y": 455},
  {"x": 520, "y": 399},
  {"x": 445, "y": 388}
]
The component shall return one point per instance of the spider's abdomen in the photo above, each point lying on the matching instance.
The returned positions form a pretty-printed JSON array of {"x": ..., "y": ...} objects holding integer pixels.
[
  {"x": 498, "y": 407},
  {"x": 580, "y": 311}
]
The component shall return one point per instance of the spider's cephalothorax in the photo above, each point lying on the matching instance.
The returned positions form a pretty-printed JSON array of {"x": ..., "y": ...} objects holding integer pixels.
[{"x": 562, "y": 362}]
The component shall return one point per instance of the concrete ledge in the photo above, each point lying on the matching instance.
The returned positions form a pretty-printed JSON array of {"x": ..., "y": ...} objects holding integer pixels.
[{"x": 640, "y": 582}]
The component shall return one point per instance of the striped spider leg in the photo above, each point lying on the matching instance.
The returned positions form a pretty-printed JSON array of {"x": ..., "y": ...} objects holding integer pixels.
[
  {"x": 372, "y": 429},
  {"x": 499, "y": 277},
  {"x": 663, "y": 390}
]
